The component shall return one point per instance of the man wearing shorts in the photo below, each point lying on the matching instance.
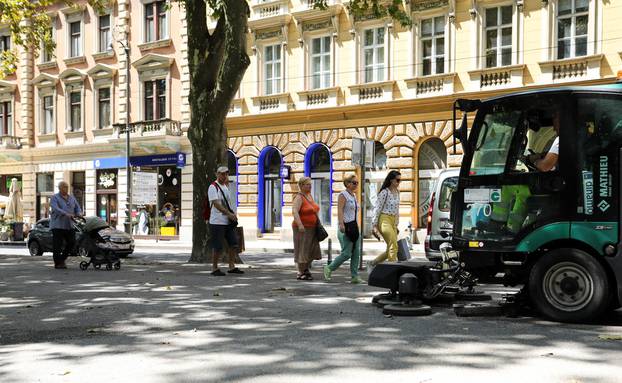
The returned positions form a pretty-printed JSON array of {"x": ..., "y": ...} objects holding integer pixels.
[{"x": 222, "y": 221}]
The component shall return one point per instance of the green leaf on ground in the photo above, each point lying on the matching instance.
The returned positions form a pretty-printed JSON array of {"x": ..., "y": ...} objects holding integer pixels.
[{"x": 610, "y": 337}]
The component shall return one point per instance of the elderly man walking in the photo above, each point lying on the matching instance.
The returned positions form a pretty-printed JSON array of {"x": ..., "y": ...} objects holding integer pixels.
[{"x": 64, "y": 208}]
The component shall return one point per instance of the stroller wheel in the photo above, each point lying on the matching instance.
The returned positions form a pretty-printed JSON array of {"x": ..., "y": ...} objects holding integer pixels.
[
  {"x": 117, "y": 265},
  {"x": 108, "y": 266},
  {"x": 84, "y": 265},
  {"x": 97, "y": 265}
]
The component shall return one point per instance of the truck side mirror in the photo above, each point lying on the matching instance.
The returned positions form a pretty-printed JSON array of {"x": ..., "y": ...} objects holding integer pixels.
[{"x": 462, "y": 134}]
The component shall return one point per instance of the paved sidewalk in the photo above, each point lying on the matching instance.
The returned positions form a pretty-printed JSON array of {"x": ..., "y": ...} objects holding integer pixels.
[
  {"x": 371, "y": 247},
  {"x": 177, "y": 323}
]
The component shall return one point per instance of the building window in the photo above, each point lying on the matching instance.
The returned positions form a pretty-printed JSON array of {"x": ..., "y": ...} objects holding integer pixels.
[
  {"x": 103, "y": 108},
  {"x": 75, "y": 111},
  {"x": 433, "y": 45},
  {"x": 105, "y": 33},
  {"x": 75, "y": 43},
  {"x": 498, "y": 35},
  {"x": 78, "y": 186},
  {"x": 106, "y": 196},
  {"x": 320, "y": 63},
  {"x": 5, "y": 42},
  {"x": 572, "y": 17},
  {"x": 155, "y": 99},
  {"x": 6, "y": 118},
  {"x": 45, "y": 191},
  {"x": 373, "y": 54},
  {"x": 156, "y": 27},
  {"x": 272, "y": 69},
  {"x": 47, "y": 113}
]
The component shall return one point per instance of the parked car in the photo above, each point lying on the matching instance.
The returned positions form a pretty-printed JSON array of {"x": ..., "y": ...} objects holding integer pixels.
[
  {"x": 439, "y": 226},
  {"x": 119, "y": 242}
]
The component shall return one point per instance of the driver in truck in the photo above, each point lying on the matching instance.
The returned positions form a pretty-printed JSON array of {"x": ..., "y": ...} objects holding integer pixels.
[{"x": 546, "y": 162}]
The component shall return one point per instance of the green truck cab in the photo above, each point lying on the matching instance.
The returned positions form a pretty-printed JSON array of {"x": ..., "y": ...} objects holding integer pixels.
[{"x": 556, "y": 230}]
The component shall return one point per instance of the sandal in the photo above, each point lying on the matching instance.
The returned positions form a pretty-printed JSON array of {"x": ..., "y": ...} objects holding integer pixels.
[{"x": 307, "y": 273}]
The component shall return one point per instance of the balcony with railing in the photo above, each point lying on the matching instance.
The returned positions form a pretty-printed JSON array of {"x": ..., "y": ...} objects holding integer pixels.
[
  {"x": 307, "y": 10},
  {"x": 430, "y": 86},
  {"x": 510, "y": 76},
  {"x": 271, "y": 12},
  {"x": 273, "y": 103},
  {"x": 572, "y": 69},
  {"x": 153, "y": 128},
  {"x": 371, "y": 92},
  {"x": 10, "y": 142},
  {"x": 319, "y": 98}
]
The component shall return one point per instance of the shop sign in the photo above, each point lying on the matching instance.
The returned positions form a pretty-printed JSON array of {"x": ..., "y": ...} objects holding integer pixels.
[
  {"x": 178, "y": 159},
  {"x": 286, "y": 171},
  {"x": 144, "y": 188}
]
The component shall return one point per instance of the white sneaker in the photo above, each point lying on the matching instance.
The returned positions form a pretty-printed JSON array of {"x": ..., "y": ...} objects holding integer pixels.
[{"x": 369, "y": 266}]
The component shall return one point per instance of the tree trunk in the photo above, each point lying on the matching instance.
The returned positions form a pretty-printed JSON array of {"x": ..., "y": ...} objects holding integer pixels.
[{"x": 217, "y": 64}]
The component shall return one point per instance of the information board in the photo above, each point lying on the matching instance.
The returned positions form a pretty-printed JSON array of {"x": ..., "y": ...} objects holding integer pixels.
[{"x": 144, "y": 188}]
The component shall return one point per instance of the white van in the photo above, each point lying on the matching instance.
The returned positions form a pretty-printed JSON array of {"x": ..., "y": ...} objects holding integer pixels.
[{"x": 439, "y": 227}]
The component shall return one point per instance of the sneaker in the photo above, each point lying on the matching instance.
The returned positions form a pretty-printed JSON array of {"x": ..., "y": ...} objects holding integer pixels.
[
  {"x": 356, "y": 280},
  {"x": 235, "y": 270},
  {"x": 218, "y": 273},
  {"x": 369, "y": 266},
  {"x": 327, "y": 272}
]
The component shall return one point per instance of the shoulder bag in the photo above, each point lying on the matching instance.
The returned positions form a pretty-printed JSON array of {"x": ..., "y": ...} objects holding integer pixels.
[{"x": 352, "y": 228}]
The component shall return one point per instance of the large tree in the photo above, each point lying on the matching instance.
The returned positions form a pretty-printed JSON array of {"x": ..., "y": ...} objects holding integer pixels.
[{"x": 217, "y": 61}]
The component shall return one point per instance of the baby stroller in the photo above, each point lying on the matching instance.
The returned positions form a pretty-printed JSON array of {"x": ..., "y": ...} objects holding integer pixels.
[{"x": 95, "y": 245}]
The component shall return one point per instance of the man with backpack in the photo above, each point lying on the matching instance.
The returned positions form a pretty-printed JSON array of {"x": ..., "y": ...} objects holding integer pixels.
[{"x": 222, "y": 221}]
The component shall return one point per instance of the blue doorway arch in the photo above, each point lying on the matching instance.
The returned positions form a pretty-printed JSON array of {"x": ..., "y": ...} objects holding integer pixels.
[
  {"x": 269, "y": 189},
  {"x": 318, "y": 165}
]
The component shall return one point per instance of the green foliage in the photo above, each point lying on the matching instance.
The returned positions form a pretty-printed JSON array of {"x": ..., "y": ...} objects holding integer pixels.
[{"x": 30, "y": 27}]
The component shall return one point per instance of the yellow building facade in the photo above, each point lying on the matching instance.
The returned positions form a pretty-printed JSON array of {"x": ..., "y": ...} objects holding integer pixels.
[
  {"x": 321, "y": 78},
  {"x": 318, "y": 80}
]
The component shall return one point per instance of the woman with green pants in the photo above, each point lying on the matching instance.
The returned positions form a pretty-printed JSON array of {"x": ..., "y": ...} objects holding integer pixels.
[
  {"x": 348, "y": 234},
  {"x": 386, "y": 217}
]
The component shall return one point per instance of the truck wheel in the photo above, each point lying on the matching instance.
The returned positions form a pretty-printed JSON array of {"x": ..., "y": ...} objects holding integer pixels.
[{"x": 569, "y": 285}]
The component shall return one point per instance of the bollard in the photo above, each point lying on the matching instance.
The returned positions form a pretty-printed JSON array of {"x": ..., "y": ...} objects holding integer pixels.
[{"x": 330, "y": 250}]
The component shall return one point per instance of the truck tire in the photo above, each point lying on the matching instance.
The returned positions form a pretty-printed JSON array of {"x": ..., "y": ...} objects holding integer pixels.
[{"x": 569, "y": 285}]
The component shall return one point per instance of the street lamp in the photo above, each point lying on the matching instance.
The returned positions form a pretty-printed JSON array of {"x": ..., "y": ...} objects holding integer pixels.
[{"x": 128, "y": 166}]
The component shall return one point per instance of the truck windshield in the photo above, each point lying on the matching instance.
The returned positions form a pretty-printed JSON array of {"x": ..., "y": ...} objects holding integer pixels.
[{"x": 494, "y": 140}]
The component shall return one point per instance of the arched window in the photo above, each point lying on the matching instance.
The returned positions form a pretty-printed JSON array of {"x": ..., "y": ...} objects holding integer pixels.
[
  {"x": 431, "y": 159},
  {"x": 270, "y": 189},
  {"x": 319, "y": 166}
]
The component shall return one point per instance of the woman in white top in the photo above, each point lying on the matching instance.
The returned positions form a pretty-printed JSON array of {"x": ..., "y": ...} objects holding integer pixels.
[
  {"x": 386, "y": 217},
  {"x": 348, "y": 234}
]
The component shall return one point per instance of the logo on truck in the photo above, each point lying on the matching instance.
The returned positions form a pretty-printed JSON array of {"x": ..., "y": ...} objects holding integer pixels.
[{"x": 604, "y": 183}]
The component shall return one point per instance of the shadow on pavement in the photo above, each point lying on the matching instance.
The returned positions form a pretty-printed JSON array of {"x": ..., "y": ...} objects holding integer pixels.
[{"x": 175, "y": 323}]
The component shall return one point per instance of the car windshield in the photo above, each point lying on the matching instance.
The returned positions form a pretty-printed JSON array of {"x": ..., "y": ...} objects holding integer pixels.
[
  {"x": 448, "y": 186},
  {"x": 496, "y": 129}
]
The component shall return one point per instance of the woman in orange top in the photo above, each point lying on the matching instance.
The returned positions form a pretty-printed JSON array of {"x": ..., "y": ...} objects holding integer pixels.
[{"x": 306, "y": 244}]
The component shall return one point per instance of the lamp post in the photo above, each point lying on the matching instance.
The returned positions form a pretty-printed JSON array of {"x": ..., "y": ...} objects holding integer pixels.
[{"x": 128, "y": 166}]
